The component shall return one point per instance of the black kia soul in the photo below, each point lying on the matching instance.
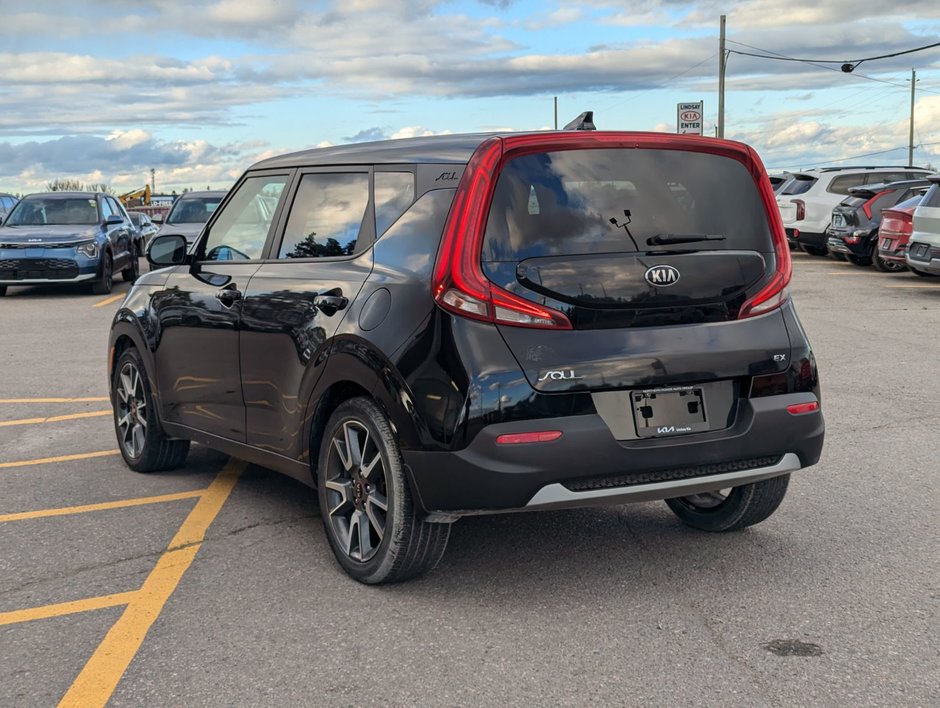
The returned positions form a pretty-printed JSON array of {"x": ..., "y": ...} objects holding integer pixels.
[{"x": 432, "y": 328}]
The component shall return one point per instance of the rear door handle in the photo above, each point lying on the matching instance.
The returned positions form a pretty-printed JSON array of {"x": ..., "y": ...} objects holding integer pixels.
[{"x": 229, "y": 295}]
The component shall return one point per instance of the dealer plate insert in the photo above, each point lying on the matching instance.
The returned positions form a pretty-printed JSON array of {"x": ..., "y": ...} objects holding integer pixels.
[{"x": 660, "y": 412}]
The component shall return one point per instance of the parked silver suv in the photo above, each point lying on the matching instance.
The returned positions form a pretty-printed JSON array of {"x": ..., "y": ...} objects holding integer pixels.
[{"x": 923, "y": 255}]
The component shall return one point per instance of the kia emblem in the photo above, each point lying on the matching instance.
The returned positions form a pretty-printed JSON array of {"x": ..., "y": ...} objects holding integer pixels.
[{"x": 662, "y": 275}]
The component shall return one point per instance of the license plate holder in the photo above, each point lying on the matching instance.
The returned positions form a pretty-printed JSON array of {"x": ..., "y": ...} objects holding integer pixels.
[{"x": 665, "y": 412}]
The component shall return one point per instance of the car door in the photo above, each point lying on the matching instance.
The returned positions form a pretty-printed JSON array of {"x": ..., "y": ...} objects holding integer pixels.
[
  {"x": 198, "y": 312},
  {"x": 297, "y": 299}
]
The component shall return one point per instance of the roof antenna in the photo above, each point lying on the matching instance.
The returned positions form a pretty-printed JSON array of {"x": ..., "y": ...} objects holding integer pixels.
[{"x": 585, "y": 121}]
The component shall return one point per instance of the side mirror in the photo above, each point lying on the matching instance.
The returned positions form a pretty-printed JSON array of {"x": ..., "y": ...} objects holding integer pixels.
[
  {"x": 167, "y": 250},
  {"x": 114, "y": 220},
  {"x": 157, "y": 218}
]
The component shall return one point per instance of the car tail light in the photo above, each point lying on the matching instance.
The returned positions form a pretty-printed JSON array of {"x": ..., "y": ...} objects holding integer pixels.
[
  {"x": 774, "y": 293},
  {"x": 459, "y": 284},
  {"x": 801, "y": 408},
  {"x": 523, "y": 438},
  {"x": 866, "y": 207},
  {"x": 800, "y": 209}
]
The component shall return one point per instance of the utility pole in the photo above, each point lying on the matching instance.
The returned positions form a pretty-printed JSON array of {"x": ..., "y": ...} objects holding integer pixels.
[
  {"x": 910, "y": 144},
  {"x": 721, "y": 79},
  {"x": 556, "y": 112}
]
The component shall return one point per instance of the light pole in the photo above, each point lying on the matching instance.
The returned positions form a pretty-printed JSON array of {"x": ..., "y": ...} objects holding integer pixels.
[
  {"x": 722, "y": 62},
  {"x": 910, "y": 144}
]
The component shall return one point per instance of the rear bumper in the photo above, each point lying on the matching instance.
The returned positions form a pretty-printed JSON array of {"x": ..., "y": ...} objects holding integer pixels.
[
  {"x": 928, "y": 263},
  {"x": 586, "y": 466},
  {"x": 807, "y": 238},
  {"x": 837, "y": 244}
]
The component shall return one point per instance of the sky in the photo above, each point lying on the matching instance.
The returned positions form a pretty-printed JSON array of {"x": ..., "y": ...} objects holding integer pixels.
[{"x": 105, "y": 91}]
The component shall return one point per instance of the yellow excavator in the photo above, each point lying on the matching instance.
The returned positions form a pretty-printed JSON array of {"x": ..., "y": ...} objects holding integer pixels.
[{"x": 139, "y": 197}]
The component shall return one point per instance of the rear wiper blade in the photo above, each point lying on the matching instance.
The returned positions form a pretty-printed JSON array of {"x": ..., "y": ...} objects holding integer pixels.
[{"x": 664, "y": 239}]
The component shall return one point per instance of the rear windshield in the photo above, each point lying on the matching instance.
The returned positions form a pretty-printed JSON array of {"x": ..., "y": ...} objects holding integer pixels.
[{"x": 614, "y": 200}]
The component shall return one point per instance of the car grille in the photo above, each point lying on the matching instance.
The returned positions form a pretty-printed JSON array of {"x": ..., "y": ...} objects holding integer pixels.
[
  {"x": 70, "y": 244},
  {"x": 634, "y": 478},
  {"x": 38, "y": 269}
]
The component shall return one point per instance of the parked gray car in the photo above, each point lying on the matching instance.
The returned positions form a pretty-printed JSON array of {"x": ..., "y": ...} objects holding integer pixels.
[
  {"x": 190, "y": 213},
  {"x": 7, "y": 202}
]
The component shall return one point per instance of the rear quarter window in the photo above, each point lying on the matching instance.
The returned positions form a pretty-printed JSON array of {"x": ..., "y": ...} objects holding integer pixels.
[
  {"x": 842, "y": 184},
  {"x": 615, "y": 200}
]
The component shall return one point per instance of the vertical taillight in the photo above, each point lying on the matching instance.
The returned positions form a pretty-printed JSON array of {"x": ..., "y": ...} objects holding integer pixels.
[
  {"x": 800, "y": 209},
  {"x": 774, "y": 293},
  {"x": 459, "y": 284}
]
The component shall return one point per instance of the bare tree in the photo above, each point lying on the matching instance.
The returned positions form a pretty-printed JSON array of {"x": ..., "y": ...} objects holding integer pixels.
[{"x": 68, "y": 184}]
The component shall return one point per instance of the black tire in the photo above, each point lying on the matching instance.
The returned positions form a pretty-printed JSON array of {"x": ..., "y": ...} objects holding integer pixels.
[
  {"x": 3, "y": 290},
  {"x": 141, "y": 440},
  {"x": 922, "y": 274},
  {"x": 105, "y": 281},
  {"x": 836, "y": 256},
  {"x": 132, "y": 272},
  {"x": 396, "y": 544},
  {"x": 883, "y": 266},
  {"x": 744, "y": 506},
  {"x": 819, "y": 251},
  {"x": 861, "y": 261}
]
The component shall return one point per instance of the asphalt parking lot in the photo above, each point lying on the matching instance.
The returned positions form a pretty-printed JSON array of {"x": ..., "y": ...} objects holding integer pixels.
[{"x": 214, "y": 585}]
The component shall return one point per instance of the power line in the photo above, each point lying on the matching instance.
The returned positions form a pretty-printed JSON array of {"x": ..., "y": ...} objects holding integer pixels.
[
  {"x": 872, "y": 154},
  {"x": 818, "y": 64},
  {"x": 856, "y": 62}
]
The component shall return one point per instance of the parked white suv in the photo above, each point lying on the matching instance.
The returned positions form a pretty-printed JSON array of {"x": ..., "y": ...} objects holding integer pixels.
[
  {"x": 923, "y": 255},
  {"x": 807, "y": 200}
]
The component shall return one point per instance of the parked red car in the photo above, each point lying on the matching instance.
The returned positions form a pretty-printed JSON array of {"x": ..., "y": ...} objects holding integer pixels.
[{"x": 895, "y": 230}]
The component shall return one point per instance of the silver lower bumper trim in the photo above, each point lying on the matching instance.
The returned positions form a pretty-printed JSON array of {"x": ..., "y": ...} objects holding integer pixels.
[
  {"x": 50, "y": 281},
  {"x": 557, "y": 496}
]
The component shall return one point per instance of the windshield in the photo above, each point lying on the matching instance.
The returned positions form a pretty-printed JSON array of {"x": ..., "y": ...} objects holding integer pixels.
[
  {"x": 193, "y": 210},
  {"x": 52, "y": 211}
]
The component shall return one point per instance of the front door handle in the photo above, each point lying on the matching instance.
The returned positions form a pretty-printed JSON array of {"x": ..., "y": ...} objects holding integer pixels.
[
  {"x": 329, "y": 305},
  {"x": 229, "y": 295}
]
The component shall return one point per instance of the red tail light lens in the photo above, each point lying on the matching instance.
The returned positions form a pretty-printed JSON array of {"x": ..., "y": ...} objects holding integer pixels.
[
  {"x": 459, "y": 283},
  {"x": 523, "y": 438},
  {"x": 866, "y": 207},
  {"x": 774, "y": 293},
  {"x": 800, "y": 209}
]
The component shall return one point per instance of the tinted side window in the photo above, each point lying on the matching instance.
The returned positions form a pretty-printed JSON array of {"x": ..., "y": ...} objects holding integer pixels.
[
  {"x": 879, "y": 177},
  {"x": 799, "y": 185},
  {"x": 241, "y": 229},
  {"x": 105, "y": 209},
  {"x": 394, "y": 192},
  {"x": 841, "y": 185},
  {"x": 326, "y": 215},
  {"x": 116, "y": 208}
]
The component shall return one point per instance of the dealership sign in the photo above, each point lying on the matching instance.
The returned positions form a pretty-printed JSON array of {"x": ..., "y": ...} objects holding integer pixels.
[{"x": 689, "y": 118}]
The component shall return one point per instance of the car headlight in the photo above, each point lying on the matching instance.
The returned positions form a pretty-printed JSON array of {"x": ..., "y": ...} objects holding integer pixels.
[{"x": 88, "y": 248}]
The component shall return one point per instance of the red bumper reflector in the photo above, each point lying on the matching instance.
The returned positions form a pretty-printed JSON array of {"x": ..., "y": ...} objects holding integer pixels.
[
  {"x": 520, "y": 438},
  {"x": 800, "y": 408}
]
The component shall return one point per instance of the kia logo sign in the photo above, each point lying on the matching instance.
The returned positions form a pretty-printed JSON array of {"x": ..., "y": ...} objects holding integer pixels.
[
  {"x": 690, "y": 116},
  {"x": 662, "y": 275}
]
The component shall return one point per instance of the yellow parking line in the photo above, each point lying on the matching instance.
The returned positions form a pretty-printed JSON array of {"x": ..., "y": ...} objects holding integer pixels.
[
  {"x": 89, "y": 399},
  {"x": 61, "y": 458},
  {"x": 53, "y": 419},
  {"x": 67, "y": 608},
  {"x": 918, "y": 287},
  {"x": 101, "y": 506},
  {"x": 109, "y": 300},
  {"x": 100, "y": 676}
]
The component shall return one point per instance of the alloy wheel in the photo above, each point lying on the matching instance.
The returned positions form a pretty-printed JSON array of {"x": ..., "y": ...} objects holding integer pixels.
[
  {"x": 356, "y": 491},
  {"x": 131, "y": 410}
]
